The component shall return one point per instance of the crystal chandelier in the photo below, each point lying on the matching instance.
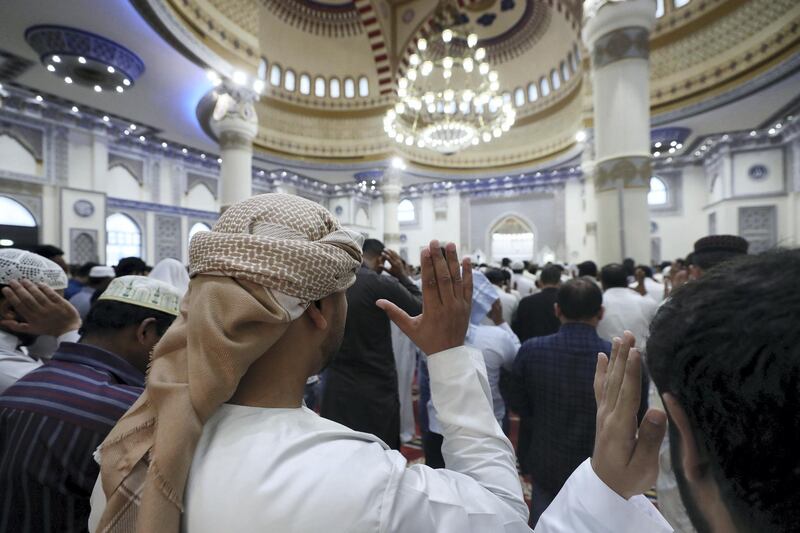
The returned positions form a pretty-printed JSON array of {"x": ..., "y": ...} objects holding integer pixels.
[{"x": 449, "y": 98}]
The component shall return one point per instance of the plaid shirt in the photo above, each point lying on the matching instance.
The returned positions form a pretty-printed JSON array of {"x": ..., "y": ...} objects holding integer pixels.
[
  {"x": 552, "y": 384},
  {"x": 51, "y": 422}
]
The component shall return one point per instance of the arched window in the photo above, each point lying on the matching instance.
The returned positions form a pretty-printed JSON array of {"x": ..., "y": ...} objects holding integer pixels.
[
  {"x": 262, "y": 68},
  {"x": 577, "y": 51},
  {"x": 275, "y": 75},
  {"x": 519, "y": 97},
  {"x": 564, "y": 71},
  {"x": 659, "y": 8},
  {"x": 658, "y": 192},
  {"x": 319, "y": 87},
  {"x": 533, "y": 92},
  {"x": 556, "y": 79},
  {"x": 197, "y": 228},
  {"x": 511, "y": 237},
  {"x": 335, "y": 89},
  {"x": 349, "y": 88},
  {"x": 680, "y": 3},
  {"x": 363, "y": 86},
  {"x": 573, "y": 62},
  {"x": 123, "y": 238},
  {"x": 544, "y": 87},
  {"x": 13, "y": 213},
  {"x": 305, "y": 84},
  {"x": 289, "y": 80},
  {"x": 406, "y": 211}
]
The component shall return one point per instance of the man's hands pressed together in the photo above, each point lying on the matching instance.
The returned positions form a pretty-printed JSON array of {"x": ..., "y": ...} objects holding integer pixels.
[
  {"x": 625, "y": 461},
  {"x": 446, "y": 301}
]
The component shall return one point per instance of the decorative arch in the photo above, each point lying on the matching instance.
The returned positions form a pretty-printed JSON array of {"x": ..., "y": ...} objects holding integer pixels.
[
  {"x": 14, "y": 213},
  {"x": 377, "y": 41},
  {"x": 123, "y": 238},
  {"x": 512, "y": 224},
  {"x": 362, "y": 217}
]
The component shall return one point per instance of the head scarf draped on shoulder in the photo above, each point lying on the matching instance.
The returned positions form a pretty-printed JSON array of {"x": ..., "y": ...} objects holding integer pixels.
[{"x": 266, "y": 259}]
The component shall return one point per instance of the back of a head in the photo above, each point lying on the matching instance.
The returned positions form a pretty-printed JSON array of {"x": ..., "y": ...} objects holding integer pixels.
[
  {"x": 551, "y": 274},
  {"x": 579, "y": 299},
  {"x": 716, "y": 249},
  {"x": 131, "y": 266},
  {"x": 84, "y": 269},
  {"x": 648, "y": 271},
  {"x": 505, "y": 262},
  {"x": 107, "y": 317},
  {"x": 372, "y": 248},
  {"x": 629, "y": 265},
  {"x": 517, "y": 267},
  {"x": 48, "y": 251},
  {"x": 728, "y": 348},
  {"x": 613, "y": 276},
  {"x": 587, "y": 268},
  {"x": 495, "y": 276}
]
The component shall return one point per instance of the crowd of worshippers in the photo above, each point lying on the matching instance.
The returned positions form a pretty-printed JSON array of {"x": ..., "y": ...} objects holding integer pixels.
[{"x": 271, "y": 385}]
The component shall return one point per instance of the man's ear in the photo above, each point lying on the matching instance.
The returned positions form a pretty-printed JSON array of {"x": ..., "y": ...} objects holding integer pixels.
[
  {"x": 315, "y": 314},
  {"x": 146, "y": 333},
  {"x": 695, "y": 466}
]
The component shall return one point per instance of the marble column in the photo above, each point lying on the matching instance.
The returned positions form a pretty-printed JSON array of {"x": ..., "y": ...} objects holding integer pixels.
[
  {"x": 617, "y": 33},
  {"x": 235, "y": 123},
  {"x": 391, "y": 187}
]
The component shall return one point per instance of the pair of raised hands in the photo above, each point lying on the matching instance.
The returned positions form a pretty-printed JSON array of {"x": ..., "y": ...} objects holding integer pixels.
[{"x": 624, "y": 458}]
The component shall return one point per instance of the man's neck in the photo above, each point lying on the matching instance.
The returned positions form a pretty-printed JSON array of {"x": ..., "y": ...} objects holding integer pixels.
[
  {"x": 549, "y": 287},
  {"x": 591, "y": 323},
  {"x": 111, "y": 344},
  {"x": 275, "y": 380}
]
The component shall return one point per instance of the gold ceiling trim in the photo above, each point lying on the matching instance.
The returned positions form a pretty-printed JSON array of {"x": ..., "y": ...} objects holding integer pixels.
[{"x": 701, "y": 13}]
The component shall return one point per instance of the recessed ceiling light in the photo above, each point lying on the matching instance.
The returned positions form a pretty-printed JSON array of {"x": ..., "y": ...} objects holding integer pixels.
[
  {"x": 98, "y": 89},
  {"x": 163, "y": 145},
  {"x": 658, "y": 144},
  {"x": 110, "y": 69},
  {"x": 185, "y": 151},
  {"x": 202, "y": 156},
  {"x": 67, "y": 80},
  {"x": 51, "y": 68},
  {"x": 127, "y": 132},
  {"x": 74, "y": 109},
  {"x": 105, "y": 118},
  {"x": 6, "y": 242},
  {"x": 126, "y": 82},
  {"x": 119, "y": 89},
  {"x": 141, "y": 138},
  {"x": 219, "y": 160},
  {"x": 753, "y": 133},
  {"x": 39, "y": 98},
  {"x": 56, "y": 59},
  {"x": 132, "y": 127},
  {"x": 82, "y": 60}
]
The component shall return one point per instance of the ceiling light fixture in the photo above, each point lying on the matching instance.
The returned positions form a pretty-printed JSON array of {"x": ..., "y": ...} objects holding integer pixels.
[
  {"x": 581, "y": 136},
  {"x": 105, "y": 118},
  {"x": 119, "y": 89},
  {"x": 126, "y": 82},
  {"x": 51, "y": 68},
  {"x": 39, "y": 98},
  {"x": 444, "y": 104},
  {"x": 56, "y": 59},
  {"x": 98, "y": 89},
  {"x": 82, "y": 60},
  {"x": 111, "y": 69},
  {"x": 163, "y": 145},
  {"x": 74, "y": 109},
  {"x": 67, "y": 80}
]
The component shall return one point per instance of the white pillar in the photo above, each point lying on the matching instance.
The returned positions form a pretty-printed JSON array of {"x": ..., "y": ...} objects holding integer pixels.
[
  {"x": 390, "y": 189},
  {"x": 617, "y": 33},
  {"x": 235, "y": 123}
]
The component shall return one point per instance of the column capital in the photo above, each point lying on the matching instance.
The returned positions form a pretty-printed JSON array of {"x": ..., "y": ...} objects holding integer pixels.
[
  {"x": 603, "y": 17},
  {"x": 234, "y": 119}
]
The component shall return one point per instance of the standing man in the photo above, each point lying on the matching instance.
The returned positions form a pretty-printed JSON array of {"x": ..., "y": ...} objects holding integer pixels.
[
  {"x": 521, "y": 283},
  {"x": 99, "y": 278},
  {"x": 361, "y": 388},
  {"x": 535, "y": 315},
  {"x": 509, "y": 302},
  {"x": 625, "y": 309}
]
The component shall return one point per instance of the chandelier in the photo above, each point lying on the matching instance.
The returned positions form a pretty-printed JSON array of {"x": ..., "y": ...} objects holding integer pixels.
[{"x": 449, "y": 98}]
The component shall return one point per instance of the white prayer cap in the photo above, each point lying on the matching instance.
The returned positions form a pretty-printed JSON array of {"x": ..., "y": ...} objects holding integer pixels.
[
  {"x": 16, "y": 265},
  {"x": 101, "y": 272},
  {"x": 144, "y": 292},
  {"x": 517, "y": 265}
]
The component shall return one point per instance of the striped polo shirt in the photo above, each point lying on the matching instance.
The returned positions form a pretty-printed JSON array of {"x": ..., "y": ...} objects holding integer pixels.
[{"x": 51, "y": 422}]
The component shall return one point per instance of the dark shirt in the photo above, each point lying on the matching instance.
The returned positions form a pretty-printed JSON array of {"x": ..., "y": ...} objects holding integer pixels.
[
  {"x": 536, "y": 316},
  {"x": 51, "y": 422},
  {"x": 361, "y": 381},
  {"x": 552, "y": 384},
  {"x": 73, "y": 287}
]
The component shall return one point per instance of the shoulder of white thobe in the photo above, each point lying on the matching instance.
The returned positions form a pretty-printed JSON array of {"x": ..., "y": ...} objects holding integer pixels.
[
  {"x": 587, "y": 505},
  {"x": 14, "y": 363}
]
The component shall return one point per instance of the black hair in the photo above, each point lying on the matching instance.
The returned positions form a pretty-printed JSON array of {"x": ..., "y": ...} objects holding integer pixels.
[
  {"x": 648, "y": 272},
  {"x": 373, "y": 247},
  {"x": 711, "y": 258},
  {"x": 629, "y": 265},
  {"x": 579, "y": 299},
  {"x": 533, "y": 268},
  {"x": 664, "y": 264},
  {"x": 495, "y": 276},
  {"x": 614, "y": 275},
  {"x": 551, "y": 274},
  {"x": 505, "y": 261},
  {"x": 587, "y": 268},
  {"x": 506, "y": 275},
  {"x": 130, "y": 265},
  {"x": 727, "y": 346},
  {"x": 47, "y": 250},
  {"x": 108, "y": 315}
]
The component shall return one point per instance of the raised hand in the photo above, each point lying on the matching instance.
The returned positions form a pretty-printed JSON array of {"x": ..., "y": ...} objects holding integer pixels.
[
  {"x": 42, "y": 310},
  {"x": 396, "y": 266},
  {"x": 625, "y": 461},
  {"x": 446, "y": 301}
]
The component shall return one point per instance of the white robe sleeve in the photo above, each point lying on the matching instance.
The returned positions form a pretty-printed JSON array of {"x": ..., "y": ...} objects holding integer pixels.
[
  {"x": 510, "y": 346},
  {"x": 587, "y": 505},
  {"x": 480, "y": 491}
]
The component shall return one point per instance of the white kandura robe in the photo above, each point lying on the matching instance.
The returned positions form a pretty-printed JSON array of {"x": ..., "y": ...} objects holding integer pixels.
[
  {"x": 405, "y": 359},
  {"x": 289, "y": 470}
]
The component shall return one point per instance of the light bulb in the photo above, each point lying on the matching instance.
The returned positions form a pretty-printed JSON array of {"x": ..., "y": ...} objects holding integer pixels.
[
  {"x": 119, "y": 89},
  {"x": 412, "y": 74},
  {"x": 98, "y": 89},
  {"x": 486, "y": 137},
  {"x": 447, "y": 35},
  {"x": 447, "y": 62},
  {"x": 484, "y": 68},
  {"x": 413, "y": 59},
  {"x": 67, "y": 80},
  {"x": 427, "y": 68},
  {"x": 126, "y": 82},
  {"x": 497, "y": 132},
  {"x": 111, "y": 69},
  {"x": 472, "y": 40},
  {"x": 400, "y": 108},
  {"x": 402, "y": 83},
  {"x": 480, "y": 53},
  {"x": 258, "y": 86},
  {"x": 431, "y": 108},
  {"x": 447, "y": 73},
  {"x": 422, "y": 44},
  {"x": 494, "y": 86},
  {"x": 56, "y": 59},
  {"x": 580, "y": 136},
  {"x": 467, "y": 64},
  {"x": 51, "y": 68},
  {"x": 239, "y": 77},
  {"x": 82, "y": 60},
  {"x": 448, "y": 94},
  {"x": 105, "y": 118},
  {"x": 428, "y": 98},
  {"x": 74, "y": 109},
  {"x": 467, "y": 95},
  {"x": 493, "y": 75}
]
